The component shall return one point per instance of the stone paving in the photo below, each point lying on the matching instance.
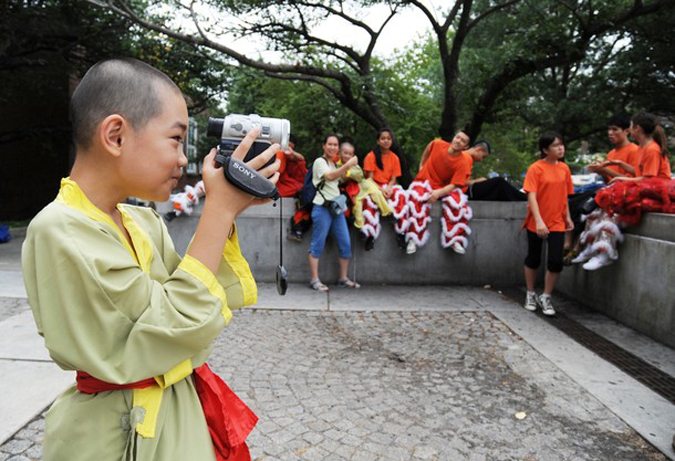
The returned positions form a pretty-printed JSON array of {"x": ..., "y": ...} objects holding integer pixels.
[
  {"x": 12, "y": 306},
  {"x": 401, "y": 386}
]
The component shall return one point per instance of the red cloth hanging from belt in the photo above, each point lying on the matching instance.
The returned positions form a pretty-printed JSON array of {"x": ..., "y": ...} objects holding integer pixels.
[{"x": 227, "y": 416}]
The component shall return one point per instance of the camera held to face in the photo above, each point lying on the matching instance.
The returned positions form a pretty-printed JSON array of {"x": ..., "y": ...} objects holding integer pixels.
[{"x": 231, "y": 130}]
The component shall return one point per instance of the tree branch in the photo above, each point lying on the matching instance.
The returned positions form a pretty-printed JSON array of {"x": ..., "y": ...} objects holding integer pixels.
[
  {"x": 129, "y": 14},
  {"x": 489, "y": 12},
  {"x": 339, "y": 13}
]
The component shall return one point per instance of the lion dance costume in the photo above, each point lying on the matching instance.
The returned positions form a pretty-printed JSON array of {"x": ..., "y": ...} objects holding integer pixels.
[{"x": 621, "y": 205}]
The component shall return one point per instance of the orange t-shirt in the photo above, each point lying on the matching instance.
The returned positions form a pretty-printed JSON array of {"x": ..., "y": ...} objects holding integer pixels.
[
  {"x": 652, "y": 163},
  {"x": 552, "y": 184},
  {"x": 630, "y": 153},
  {"x": 391, "y": 164},
  {"x": 291, "y": 176},
  {"x": 441, "y": 169},
  {"x": 281, "y": 157}
]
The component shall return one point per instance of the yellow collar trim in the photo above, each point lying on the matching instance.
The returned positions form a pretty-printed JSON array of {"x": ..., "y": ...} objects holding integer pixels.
[{"x": 71, "y": 195}]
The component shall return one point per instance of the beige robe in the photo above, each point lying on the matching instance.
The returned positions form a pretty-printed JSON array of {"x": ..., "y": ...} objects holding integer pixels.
[{"x": 125, "y": 314}]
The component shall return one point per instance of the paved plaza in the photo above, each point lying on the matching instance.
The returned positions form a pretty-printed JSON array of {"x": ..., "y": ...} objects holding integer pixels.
[{"x": 401, "y": 373}]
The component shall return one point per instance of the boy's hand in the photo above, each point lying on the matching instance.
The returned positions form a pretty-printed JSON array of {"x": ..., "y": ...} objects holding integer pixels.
[
  {"x": 231, "y": 198},
  {"x": 436, "y": 195},
  {"x": 542, "y": 230},
  {"x": 569, "y": 224},
  {"x": 386, "y": 191},
  {"x": 352, "y": 162}
]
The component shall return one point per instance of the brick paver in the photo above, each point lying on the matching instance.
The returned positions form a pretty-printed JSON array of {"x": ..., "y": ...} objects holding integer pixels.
[{"x": 401, "y": 386}]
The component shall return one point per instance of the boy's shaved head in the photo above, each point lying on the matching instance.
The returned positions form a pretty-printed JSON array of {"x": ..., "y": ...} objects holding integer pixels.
[{"x": 123, "y": 86}]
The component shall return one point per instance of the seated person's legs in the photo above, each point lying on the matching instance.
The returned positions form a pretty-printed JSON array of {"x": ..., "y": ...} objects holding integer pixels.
[{"x": 495, "y": 189}]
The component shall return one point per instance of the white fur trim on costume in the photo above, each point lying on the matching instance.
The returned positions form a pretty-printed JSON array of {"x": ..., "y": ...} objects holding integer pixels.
[
  {"x": 371, "y": 231},
  {"x": 468, "y": 212},
  {"x": 398, "y": 197},
  {"x": 448, "y": 213},
  {"x": 401, "y": 227},
  {"x": 455, "y": 229},
  {"x": 462, "y": 213},
  {"x": 415, "y": 238},
  {"x": 450, "y": 200},
  {"x": 402, "y": 213},
  {"x": 613, "y": 229},
  {"x": 370, "y": 218},
  {"x": 414, "y": 195},
  {"x": 370, "y": 203},
  {"x": 417, "y": 226},
  {"x": 594, "y": 228},
  {"x": 607, "y": 248},
  {"x": 425, "y": 211},
  {"x": 462, "y": 241}
]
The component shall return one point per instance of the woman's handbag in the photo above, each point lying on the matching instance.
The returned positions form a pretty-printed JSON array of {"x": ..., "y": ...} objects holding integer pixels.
[{"x": 337, "y": 206}]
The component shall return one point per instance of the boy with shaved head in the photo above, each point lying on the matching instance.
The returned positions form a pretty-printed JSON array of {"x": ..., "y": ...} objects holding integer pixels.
[{"x": 114, "y": 301}]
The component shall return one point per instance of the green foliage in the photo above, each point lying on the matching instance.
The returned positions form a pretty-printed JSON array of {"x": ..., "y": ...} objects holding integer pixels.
[{"x": 312, "y": 110}]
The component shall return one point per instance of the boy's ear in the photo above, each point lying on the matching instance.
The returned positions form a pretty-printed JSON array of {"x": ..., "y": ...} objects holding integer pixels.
[{"x": 113, "y": 132}]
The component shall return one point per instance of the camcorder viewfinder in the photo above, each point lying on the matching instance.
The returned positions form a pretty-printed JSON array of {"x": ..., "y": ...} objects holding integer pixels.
[{"x": 231, "y": 130}]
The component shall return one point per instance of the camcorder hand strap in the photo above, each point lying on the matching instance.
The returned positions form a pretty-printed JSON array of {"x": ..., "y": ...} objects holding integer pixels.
[{"x": 281, "y": 273}]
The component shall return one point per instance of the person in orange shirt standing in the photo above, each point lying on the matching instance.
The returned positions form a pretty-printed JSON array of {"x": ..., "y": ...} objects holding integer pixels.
[
  {"x": 444, "y": 176},
  {"x": 383, "y": 166},
  {"x": 548, "y": 183}
]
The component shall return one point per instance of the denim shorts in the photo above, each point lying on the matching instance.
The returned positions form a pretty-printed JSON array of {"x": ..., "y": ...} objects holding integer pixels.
[{"x": 322, "y": 222}]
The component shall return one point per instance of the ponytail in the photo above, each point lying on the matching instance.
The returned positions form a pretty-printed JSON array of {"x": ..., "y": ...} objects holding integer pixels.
[
  {"x": 651, "y": 127},
  {"x": 376, "y": 149},
  {"x": 659, "y": 137},
  {"x": 378, "y": 157}
]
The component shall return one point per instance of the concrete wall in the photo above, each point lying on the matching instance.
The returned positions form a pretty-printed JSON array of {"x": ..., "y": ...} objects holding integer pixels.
[
  {"x": 639, "y": 289},
  {"x": 495, "y": 254}
]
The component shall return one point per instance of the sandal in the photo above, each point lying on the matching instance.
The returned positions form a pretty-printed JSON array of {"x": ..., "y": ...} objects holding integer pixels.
[
  {"x": 346, "y": 283},
  {"x": 316, "y": 285},
  {"x": 570, "y": 255}
]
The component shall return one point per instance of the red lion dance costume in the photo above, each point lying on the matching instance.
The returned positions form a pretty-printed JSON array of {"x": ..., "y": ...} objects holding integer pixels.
[
  {"x": 414, "y": 217},
  {"x": 621, "y": 206}
]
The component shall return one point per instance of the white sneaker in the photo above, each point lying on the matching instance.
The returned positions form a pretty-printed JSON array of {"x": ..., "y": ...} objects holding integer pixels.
[
  {"x": 546, "y": 305},
  {"x": 411, "y": 248},
  {"x": 598, "y": 261},
  {"x": 531, "y": 301},
  {"x": 458, "y": 248}
]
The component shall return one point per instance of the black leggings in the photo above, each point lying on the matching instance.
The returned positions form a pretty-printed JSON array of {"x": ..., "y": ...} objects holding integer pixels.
[
  {"x": 556, "y": 241},
  {"x": 495, "y": 189}
]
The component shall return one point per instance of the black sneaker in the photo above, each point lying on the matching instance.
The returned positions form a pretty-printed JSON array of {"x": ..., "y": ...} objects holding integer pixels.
[
  {"x": 295, "y": 236},
  {"x": 400, "y": 241},
  {"x": 370, "y": 243}
]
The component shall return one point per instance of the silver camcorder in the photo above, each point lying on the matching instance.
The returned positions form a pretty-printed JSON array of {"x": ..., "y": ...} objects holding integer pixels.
[{"x": 231, "y": 130}]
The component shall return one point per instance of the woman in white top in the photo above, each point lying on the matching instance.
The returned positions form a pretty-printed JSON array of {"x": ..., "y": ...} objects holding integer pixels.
[{"x": 325, "y": 177}]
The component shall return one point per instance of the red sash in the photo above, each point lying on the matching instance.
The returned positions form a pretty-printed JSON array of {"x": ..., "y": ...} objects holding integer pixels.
[{"x": 227, "y": 416}]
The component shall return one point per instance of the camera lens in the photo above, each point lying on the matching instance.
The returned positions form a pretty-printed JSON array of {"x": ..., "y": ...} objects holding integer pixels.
[{"x": 215, "y": 127}]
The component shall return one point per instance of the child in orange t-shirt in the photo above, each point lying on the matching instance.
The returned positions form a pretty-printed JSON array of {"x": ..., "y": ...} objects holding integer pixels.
[
  {"x": 548, "y": 183},
  {"x": 383, "y": 166}
]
